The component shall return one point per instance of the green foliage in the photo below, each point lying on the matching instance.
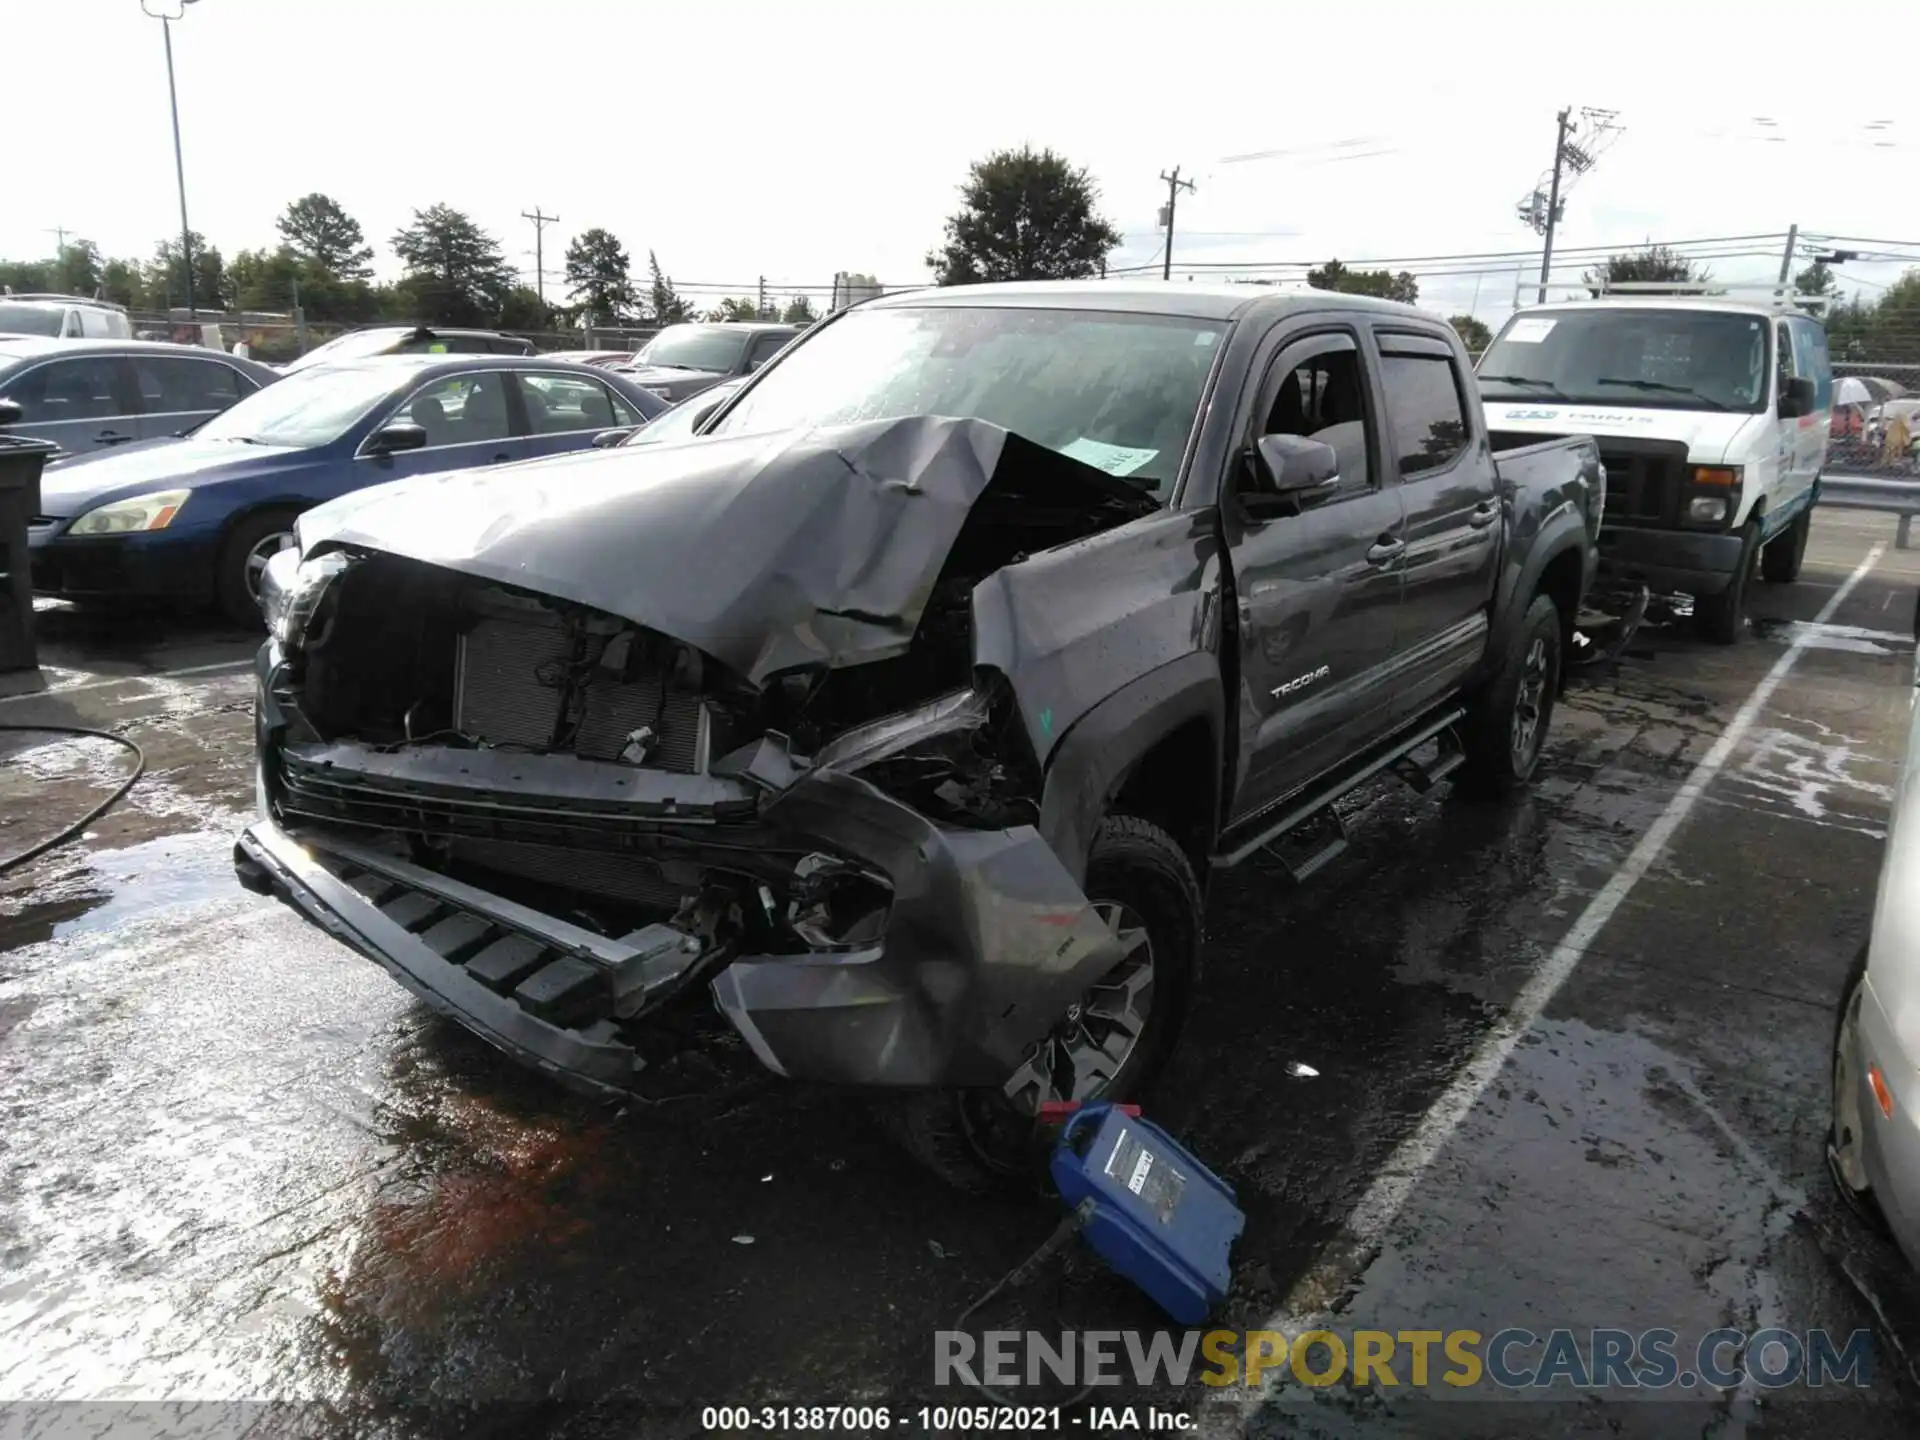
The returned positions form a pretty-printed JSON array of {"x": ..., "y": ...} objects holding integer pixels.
[
  {"x": 799, "y": 311},
  {"x": 1656, "y": 263},
  {"x": 455, "y": 273},
  {"x": 664, "y": 305},
  {"x": 1816, "y": 279},
  {"x": 164, "y": 282},
  {"x": 1472, "y": 332},
  {"x": 1383, "y": 284},
  {"x": 1025, "y": 215},
  {"x": 1887, "y": 329},
  {"x": 734, "y": 307},
  {"x": 523, "y": 309},
  {"x": 319, "y": 231},
  {"x": 597, "y": 275}
]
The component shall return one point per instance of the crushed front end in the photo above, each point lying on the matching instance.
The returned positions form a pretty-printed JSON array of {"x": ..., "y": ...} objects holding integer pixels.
[{"x": 554, "y": 824}]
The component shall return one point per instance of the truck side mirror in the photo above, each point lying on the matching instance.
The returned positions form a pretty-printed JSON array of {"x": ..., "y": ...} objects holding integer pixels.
[
  {"x": 1797, "y": 397},
  {"x": 1294, "y": 472},
  {"x": 10, "y": 412}
]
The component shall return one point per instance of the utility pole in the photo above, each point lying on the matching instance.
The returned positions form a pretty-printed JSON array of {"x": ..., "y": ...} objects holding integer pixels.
[
  {"x": 1562, "y": 126},
  {"x": 540, "y": 223},
  {"x": 59, "y": 233},
  {"x": 1786, "y": 259},
  {"x": 760, "y": 305},
  {"x": 1174, "y": 186}
]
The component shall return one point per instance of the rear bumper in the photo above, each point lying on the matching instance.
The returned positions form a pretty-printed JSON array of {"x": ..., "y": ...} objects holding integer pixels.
[
  {"x": 157, "y": 566},
  {"x": 1668, "y": 561},
  {"x": 987, "y": 942}
]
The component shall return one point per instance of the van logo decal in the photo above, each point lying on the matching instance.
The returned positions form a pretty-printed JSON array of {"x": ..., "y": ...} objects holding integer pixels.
[
  {"x": 1531, "y": 414},
  {"x": 1300, "y": 682}
]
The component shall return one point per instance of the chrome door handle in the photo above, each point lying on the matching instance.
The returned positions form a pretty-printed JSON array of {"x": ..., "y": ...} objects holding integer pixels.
[
  {"x": 1385, "y": 550},
  {"x": 1484, "y": 514}
]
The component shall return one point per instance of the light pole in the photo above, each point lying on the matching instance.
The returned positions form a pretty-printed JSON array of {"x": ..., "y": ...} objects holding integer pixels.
[{"x": 166, "y": 12}]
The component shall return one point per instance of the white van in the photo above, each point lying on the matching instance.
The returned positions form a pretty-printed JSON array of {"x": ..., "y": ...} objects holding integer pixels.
[
  {"x": 63, "y": 317},
  {"x": 1711, "y": 413}
]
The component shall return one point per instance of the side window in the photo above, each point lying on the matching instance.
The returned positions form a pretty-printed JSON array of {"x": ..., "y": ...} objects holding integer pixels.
[
  {"x": 93, "y": 388},
  {"x": 764, "y": 349},
  {"x": 175, "y": 386},
  {"x": 557, "y": 404},
  {"x": 1782, "y": 355},
  {"x": 1425, "y": 413},
  {"x": 463, "y": 410},
  {"x": 1810, "y": 359},
  {"x": 1320, "y": 394},
  {"x": 93, "y": 324}
]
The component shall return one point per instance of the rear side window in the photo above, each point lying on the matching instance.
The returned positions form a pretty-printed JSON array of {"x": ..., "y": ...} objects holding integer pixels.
[
  {"x": 177, "y": 386},
  {"x": 764, "y": 349},
  {"x": 1425, "y": 414},
  {"x": 80, "y": 389}
]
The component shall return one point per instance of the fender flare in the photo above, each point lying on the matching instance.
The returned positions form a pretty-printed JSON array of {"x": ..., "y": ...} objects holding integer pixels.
[
  {"x": 1567, "y": 531},
  {"x": 1094, "y": 759}
]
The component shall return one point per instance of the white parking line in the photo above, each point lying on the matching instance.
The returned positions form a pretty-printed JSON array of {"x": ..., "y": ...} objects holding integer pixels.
[
  {"x": 55, "y": 692},
  {"x": 1387, "y": 1196}
]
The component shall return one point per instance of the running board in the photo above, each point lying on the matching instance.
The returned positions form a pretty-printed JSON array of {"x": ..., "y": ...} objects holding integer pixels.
[
  {"x": 1311, "y": 846},
  {"x": 1386, "y": 755}
]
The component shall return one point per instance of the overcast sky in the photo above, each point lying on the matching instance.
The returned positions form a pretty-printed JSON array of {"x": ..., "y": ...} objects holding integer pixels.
[{"x": 793, "y": 140}]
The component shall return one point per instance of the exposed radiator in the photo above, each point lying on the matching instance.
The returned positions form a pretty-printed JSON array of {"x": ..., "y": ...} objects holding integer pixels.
[{"x": 507, "y": 692}]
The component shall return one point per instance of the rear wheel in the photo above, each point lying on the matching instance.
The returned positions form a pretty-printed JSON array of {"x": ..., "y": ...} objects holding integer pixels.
[
  {"x": 1846, "y": 1156},
  {"x": 1780, "y": 561},
  {"x": 1720, "y": 618},
  {"x": 1108, "y": 1045},
  {"x": 255, "y": 540},
  {"x": 1506, "y": 724}
]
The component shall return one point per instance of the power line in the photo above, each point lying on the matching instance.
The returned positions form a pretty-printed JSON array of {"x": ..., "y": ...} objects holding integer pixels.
[{"x": 540, "y": 223}]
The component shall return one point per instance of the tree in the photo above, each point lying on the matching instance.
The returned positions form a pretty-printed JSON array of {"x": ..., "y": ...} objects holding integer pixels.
[
  {"x": 664, "y": 305},
  {"x": 1472, "y": 332},
  {"x": 735, "y": 307},
  {"x": 120, "y": 282},
  {"x": 799, "y": 311},
  {"x": 165, "y": 282},
  {"x": 1655, "y": 263},
  {"x": 1025, "y": 215},
  {"x": 266, "y": 280},
  {"x": 1816, "y": 279},
  {"x": 597, "y": 275},
  {"x": 321, "y": 232},
  {"x": 523, "y": 309},
  {"x": 77, "y": 271},
  {"x": 1382, "y": 283},
  {"x": 456, "y": 274}
]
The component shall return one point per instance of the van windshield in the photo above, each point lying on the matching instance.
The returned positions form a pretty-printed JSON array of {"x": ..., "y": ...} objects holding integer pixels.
[
  {"x": 18, "y": 319},
  {"x": 1632, "y": 357}
]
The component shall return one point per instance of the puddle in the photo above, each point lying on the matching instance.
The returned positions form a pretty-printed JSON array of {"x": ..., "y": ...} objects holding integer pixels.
[
  {"x": 1815, "y": 636},
  {"x": 120, "y": 885}
]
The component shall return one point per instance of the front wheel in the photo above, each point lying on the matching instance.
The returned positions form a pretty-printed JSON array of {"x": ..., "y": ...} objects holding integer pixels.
[
  {"x": 1846, "y": 1131},
  {"x": 1720, "y": 618},
  {"x": 1506, "y": 725},
  {"x": 1108, "y": 1045},
  {"x": 1780, "y": 561},
  {"x": 244, "y": 554}
]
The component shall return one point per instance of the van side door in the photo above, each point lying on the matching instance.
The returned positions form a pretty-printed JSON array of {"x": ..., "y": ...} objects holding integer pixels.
[
  {"x": 1811, "y": 361},
  {"x": 1315, "y": 592}
]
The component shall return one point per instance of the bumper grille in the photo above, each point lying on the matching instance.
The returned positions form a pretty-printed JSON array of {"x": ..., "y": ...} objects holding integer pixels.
[
  {"x": 508, "y": 693},
  {"x": 628, "y": 878},
  {"x": 1640, "y": 486}
]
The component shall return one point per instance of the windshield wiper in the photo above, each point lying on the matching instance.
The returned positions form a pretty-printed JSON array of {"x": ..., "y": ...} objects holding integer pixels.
[
  {"x": 1664, "y": 388},
  {"x": 1547, "y": 385}
]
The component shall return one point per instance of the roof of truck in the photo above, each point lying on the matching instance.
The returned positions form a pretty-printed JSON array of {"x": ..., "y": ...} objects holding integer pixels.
[{"x": 1215, "y": 301}]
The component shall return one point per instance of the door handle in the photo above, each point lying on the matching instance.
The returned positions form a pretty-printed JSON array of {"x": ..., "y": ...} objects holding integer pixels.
[
  {"x": 501, "y": 457},
  {"x": 1484, "y": 514},
  {"x": 111, "y": 437},
  {"x": 1385, "y": 550}
]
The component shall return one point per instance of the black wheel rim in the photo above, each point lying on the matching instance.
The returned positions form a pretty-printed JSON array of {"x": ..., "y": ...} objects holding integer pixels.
[
  {"x": 1082, "y": 1055},
  {"x": 1530, "y": 703}
]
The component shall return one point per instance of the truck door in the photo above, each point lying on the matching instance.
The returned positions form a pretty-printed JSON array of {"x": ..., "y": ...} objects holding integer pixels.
[
  {"x": 1316, "y": 591},
  {"x": 1810, "y": 360},
  {"x": 1447, "y": 484}
]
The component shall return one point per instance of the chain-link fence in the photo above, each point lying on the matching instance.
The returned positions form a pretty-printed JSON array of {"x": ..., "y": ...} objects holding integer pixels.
[{"x": 1876, "y": 419}]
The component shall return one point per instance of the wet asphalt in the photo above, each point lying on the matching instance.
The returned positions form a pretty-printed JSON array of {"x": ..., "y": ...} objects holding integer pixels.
[{"x": 242, "y": 1165}]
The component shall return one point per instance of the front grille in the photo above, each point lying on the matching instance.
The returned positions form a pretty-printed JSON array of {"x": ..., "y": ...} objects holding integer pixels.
[
  {"x": 508, "y": 693},
  {"x": 1642, "y": 486},
  {"x": 629, "y": 878}
]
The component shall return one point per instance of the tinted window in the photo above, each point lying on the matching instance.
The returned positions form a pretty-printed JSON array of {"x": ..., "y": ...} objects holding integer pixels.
[
  {"x": 173, "y": 386},
  {"x": 78, "y": 389},
  {"x": 1810, "y": 359},
  {"x": 1322, "y": 397},
  {"x": 462, "y": 411},
  {"x": 1424, "y": 410},
  {"x": 560, "y": 403},
  {"x": 764, "y": 349},
  {"x": 696, "y": 347}
]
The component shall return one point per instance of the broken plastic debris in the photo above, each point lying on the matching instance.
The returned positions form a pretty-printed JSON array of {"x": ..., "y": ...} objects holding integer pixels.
[
  {"x": 764, "y": 1179},
  {"x": 940, "y": 1252},
  {"x": 743, "y": 1239},
  {"x": 1302, "y": 1071}
]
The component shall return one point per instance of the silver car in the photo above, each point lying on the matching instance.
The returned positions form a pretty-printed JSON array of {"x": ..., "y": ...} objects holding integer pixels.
[
  {"x": 1873, "y": 1147},
  {"x": 91, "y": 395}
]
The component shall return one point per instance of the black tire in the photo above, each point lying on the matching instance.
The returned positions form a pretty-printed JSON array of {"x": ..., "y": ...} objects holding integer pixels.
[
  {"x": 1722, "y": 618},
  {"x": 978, "y": 1140},
  {"x": 1842, "y": 1161},
  {"x": 1507, "y": 719},
  {"x": 1780, "y": 561},
  {"x": 235, "y": 576}
]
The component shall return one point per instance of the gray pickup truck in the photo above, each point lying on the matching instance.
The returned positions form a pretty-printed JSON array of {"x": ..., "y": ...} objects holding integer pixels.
[{"x": 907, "y": 708}]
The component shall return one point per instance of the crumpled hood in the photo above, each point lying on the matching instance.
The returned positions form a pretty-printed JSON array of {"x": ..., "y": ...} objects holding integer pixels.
[
  {"x": 1708, "y": 434},
  {"x": 768, "y": 552},
  {"x": 87, "y": 481}
]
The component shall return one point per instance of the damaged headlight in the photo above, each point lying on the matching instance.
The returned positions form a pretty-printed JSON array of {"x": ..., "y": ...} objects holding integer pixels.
[
  {"x": 864, "y": 745},
  {"x": 291, "y": 590},
  {"x": 937, "y": 759}
]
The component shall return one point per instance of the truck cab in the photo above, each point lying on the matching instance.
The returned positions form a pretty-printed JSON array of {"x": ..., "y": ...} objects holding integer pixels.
[{"x": 1712, "y": 414}]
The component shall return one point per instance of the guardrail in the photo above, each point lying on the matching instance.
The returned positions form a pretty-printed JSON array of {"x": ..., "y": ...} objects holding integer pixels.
[{"x": 1890, "y": 497}]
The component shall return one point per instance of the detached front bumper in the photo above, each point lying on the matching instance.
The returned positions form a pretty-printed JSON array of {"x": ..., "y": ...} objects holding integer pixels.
[
  {"x": 1686, "y": 562},
  {"x": 987, "y": 942}
]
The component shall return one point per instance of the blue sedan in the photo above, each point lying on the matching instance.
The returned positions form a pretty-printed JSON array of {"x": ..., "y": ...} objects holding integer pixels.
[{"x": 196, "y": 519}]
